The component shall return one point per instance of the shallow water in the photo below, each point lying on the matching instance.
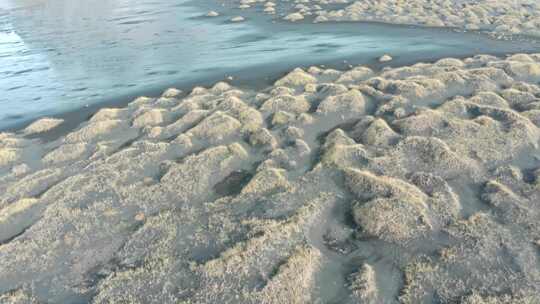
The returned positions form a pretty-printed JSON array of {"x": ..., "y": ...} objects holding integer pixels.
[{"x": 61, "y": 55}]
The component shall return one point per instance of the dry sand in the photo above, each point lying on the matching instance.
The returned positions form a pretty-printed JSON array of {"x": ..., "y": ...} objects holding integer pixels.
[
  {"x": 225, "y": 195},
  {"x": 497, "y": 17}
]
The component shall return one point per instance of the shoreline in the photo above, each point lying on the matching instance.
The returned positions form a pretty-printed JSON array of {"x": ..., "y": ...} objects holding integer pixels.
[
  {"x": 246, "y": 78},
  {"x": 274, "y": 68}
]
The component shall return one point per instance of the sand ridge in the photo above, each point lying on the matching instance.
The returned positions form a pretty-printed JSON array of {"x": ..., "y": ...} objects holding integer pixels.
[{"x": 426, "y": 176}]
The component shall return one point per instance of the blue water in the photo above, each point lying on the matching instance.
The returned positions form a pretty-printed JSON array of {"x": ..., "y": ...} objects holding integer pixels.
[{"x": 60, "y": 55}]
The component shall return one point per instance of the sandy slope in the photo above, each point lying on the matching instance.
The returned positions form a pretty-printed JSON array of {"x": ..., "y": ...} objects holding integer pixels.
[
  {"x": 418, "y": 184},
  {"x": 499, "y": 17}
]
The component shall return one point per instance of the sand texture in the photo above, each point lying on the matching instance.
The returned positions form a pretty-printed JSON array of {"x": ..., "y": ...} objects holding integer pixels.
[
  {"x": 497, "y": 17},
  {"x": 417, "y": 184}
]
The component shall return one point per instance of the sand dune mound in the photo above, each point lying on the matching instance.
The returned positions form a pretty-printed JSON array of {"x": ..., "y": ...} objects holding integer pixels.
[
  {"x": 42, "y": 125},
  {"x": 286, "y": 103},
  {"x": 352, "y": 101},
  {"x": 417, "y": 184},
  {"x": 8, "y": 156},
  {"x": 395, "y": 210},
  {"x": 341, "y": 151},
  {"x": 296, "y": 78},
  {"x": 215, "y": 127}
]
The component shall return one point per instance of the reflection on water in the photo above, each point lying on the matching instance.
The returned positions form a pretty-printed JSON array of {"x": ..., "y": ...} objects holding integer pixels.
[{"x": 57, "y": 55}]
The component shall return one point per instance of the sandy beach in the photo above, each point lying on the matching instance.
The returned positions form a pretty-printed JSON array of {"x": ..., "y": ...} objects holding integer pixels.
[
  {"x": 389, "y": 183},
  {"x": 419, "y": 184}
]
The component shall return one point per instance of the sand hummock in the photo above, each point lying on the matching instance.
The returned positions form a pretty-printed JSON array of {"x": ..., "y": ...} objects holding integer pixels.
[
  {"x": 385, "y": 58},
  {"x": 417, "y": 184},
  {"x": 237, "y": 19},
  {"x": 43, "y": 125}
]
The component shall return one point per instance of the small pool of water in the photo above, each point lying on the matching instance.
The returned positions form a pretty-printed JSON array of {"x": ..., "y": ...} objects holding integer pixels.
[{"x": 62, "y": 55}]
